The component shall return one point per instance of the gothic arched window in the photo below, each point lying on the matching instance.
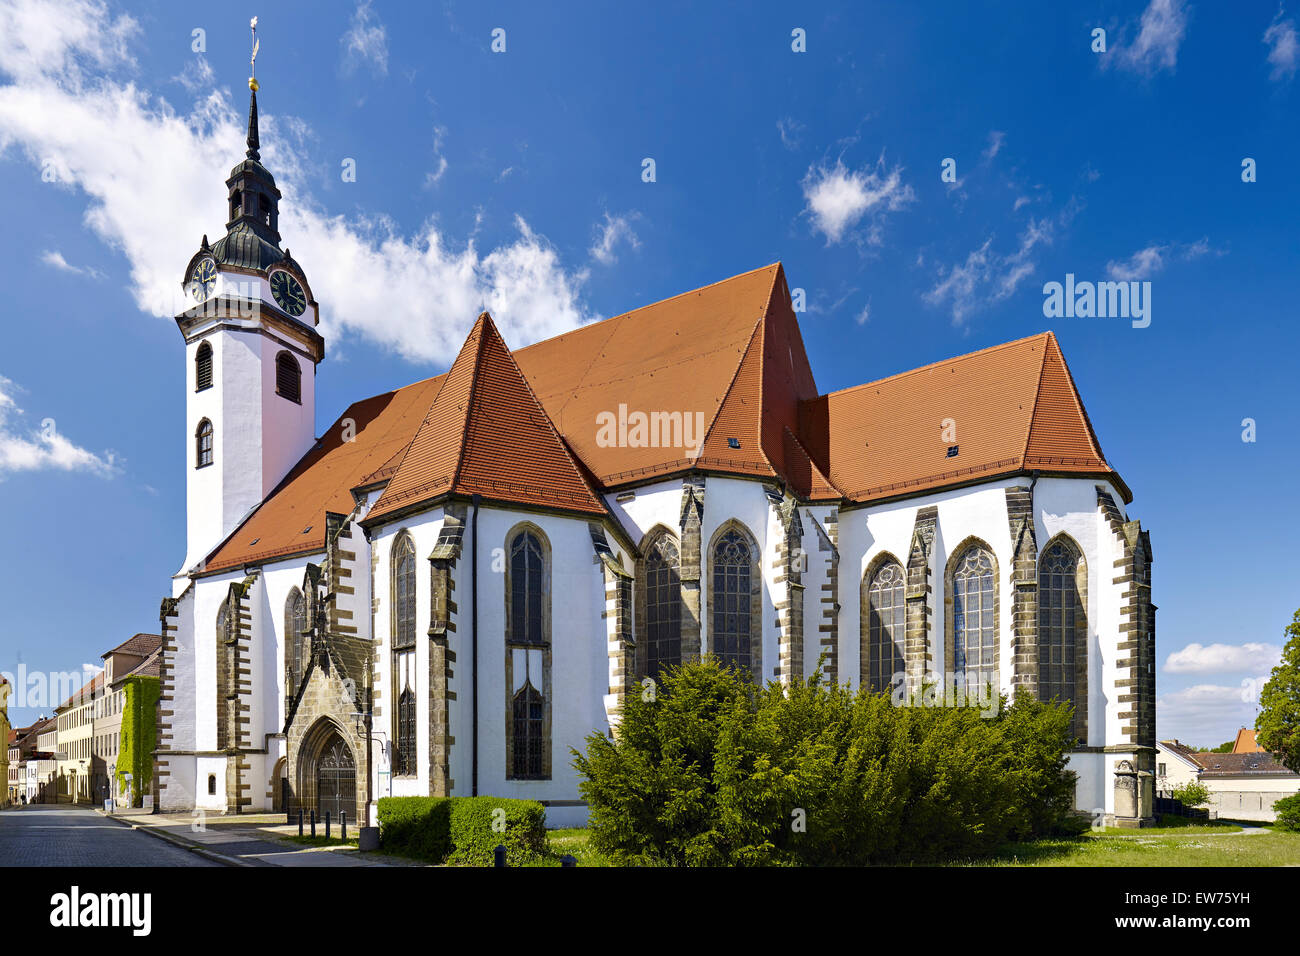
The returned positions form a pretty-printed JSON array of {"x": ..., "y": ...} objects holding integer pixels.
[
  {"x": 974, "y": 619},
  {"x": 203, "y": 367},
  {"x": 735, "y": 574},
  {"x": 663, "y": 606},
  {"x": 526, "y": 589},
  {"x": 528, "y": 742},
  {"x": 404, "y": 680},
  {"x": 886, "y": 611},
  {"x": 1062, "y": 630},
  {"x": 288, "y": 377},
  {"x": 295, "y": 622},
  {"x": 203, "y": 444}
]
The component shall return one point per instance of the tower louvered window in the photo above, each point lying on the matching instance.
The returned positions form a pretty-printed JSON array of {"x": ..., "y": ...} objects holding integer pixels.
[
  {"x": 288, "y": 377},
  {"x": 203, "y": 368}
]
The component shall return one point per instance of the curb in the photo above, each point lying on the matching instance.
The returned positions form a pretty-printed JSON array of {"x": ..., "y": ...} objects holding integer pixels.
[{"x": 179, "y": 842}]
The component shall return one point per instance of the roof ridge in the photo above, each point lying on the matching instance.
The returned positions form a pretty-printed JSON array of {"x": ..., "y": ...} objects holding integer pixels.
[
  {"x": 947, "y": 361},
  {"x": 1033, "y": 412},
  {"x": 482, "y": 325},
  {"x": 1074, "y": 393}
]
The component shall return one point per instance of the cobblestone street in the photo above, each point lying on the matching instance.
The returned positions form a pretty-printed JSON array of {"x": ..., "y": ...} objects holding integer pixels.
[{"x": 78, "y": 836}]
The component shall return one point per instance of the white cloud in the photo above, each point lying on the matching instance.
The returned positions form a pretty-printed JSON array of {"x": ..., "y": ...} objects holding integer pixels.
[
  {"x": 42, "y": 448},
  {"x": 54, "y": 259},
  {"x": 837, "y": 198},
  {"x": 1146, "y": 262},
  {"x": 996, "y": 138},
  {"x": 1161, "y": 31},
  {"x": 432, "y": 177},
  {"x": 1224, "y": 659},
  {"x": 864, "y": 316},
  {"x": 610, "y": 233},
  {"x": 372, "y": 280},
  {"x": 1283, "y": 48},
  {"x": 988, "y": 276},
  {"x": 197, "y": 75},
  {"x": 1205, "y": 715},
  {"x": 366, "y": 40},
  {"x": 789, "y": 128}
]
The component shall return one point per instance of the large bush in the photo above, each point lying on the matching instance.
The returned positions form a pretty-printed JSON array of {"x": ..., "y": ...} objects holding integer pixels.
[
  {"x": 462, "y": 831},
  {"x": 715, "y": 771},
  {"x": 1288, "y": 813}
]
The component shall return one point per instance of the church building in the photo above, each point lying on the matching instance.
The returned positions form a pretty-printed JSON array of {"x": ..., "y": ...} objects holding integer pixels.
[{"x": 462, "y": 578}]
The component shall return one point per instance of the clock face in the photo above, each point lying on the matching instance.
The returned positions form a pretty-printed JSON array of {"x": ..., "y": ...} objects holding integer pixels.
[
  {"x": 288, "y": 293},
  {"x": 203, "y": 279}
]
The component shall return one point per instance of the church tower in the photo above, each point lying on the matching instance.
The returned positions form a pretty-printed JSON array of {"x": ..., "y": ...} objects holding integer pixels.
[{"x": 251, "y": 351}]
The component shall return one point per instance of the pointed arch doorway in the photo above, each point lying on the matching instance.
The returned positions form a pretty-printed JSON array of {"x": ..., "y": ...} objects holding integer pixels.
[{"x": 336, "y": 779}]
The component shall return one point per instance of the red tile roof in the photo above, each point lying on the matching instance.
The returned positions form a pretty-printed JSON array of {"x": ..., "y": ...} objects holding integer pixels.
[
  {"x": 732, "y": 353},
  {"x": 140, "y": 645},
  {"x": 486, "y": 434},
  {"x": 1011, "y": 408}
]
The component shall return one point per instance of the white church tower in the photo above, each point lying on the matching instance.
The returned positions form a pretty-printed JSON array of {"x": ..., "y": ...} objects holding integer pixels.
[{"x": 251, "y": 351}]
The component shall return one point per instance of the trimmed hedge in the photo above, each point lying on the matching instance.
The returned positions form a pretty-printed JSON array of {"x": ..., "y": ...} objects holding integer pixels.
[
  {"x": 715, "y": 771},
  {"x": 462, "y": 831}
]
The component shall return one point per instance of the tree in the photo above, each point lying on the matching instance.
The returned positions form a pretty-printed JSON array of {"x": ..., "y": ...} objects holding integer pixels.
[
  {"x": 1191, "y": 794},
  {"x": 1278, "y": 724}
]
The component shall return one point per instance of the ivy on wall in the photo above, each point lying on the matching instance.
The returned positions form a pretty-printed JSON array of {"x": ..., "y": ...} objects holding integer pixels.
[{"x": 139, "y": 735}]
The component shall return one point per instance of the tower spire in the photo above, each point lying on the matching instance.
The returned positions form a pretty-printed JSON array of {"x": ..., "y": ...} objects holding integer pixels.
[{"x": 253, "y": 142}]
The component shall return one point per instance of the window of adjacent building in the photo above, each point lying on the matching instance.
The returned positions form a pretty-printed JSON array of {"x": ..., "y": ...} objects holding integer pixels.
[
  {"x": 203, "y": 367},
  {"x": 886, "y": 612},
  {"x": 288, "y": 377},
  {"x": 974, "y": 619},
  {"x": 203, "y": 444}
]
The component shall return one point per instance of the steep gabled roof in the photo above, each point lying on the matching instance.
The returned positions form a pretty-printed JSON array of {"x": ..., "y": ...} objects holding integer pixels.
[
  {"x": 486, "y": 433},
  {"x": 1006, "y": 409}
]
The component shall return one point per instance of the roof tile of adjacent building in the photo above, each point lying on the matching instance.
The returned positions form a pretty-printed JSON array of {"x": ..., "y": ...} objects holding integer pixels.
[
  {"x": 526, "y": 426},
  {"x": 1242, "y": 764},
  {"x": 139, "y": 645}
]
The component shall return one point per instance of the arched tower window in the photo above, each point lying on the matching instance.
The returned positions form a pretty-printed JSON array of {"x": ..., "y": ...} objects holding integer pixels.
[
  {"x": 404, "y": 678},
  {"x": 288, "y": 377},
  {"x": 203, "y": 444},
  {"x": 1063, "y": 630},
  {"x": 528, "y": 654},
  {"x": 882, "y": 649},
  {"x": 974, "y": 619},
  {"x": 203, "y": 367},
  {"x": 663, "y": 605},
  {"x": 236, "y": 204},
  {"x": 736, "y": 634}
]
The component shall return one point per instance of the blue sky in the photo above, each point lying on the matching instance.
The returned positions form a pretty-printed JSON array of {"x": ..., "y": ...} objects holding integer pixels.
[{"x": 513, "y": 180}]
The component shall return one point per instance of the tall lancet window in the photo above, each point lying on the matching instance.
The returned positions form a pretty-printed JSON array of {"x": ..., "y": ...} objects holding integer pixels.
[
  {"x": 1062, "y": 630},
  {"x": 295, "y": 622},
  {"x": 882, "y": 661},
  {"x": 733, "y": 601},
  {"x": 663, "y": 606},
  {"x": 528, "y": 654},
  {"x": 974, "y": 620},
  {"x": 404, "y": 678}
]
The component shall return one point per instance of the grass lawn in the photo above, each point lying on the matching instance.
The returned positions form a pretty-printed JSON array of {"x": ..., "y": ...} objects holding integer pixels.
[
  {"x": 1179, "y": 844},
  {"x": 320, "y": 840}
]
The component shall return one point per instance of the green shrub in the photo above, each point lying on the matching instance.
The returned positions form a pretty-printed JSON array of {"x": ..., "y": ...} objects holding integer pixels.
[
  {"x": 715, "y": 771},
  {"x": 460, "y": 830},
  {"x": 1193, "y": 793},
  {"x": 1288, "y": 813}
]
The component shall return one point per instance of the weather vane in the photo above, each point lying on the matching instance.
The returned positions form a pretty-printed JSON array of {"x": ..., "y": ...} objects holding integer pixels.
[{"x": 252, "y": 80}]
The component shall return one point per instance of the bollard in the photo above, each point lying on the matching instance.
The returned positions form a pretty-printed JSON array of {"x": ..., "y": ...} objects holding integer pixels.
[
  {"x": 343, "y": 824},
  {"x": 327, "y": 824},
  {"x": 300, "y": 821},
  {"x": 499, "y": 856},
  {"x": 568, "y": 860},
  {"x": 313, "y": 824}
]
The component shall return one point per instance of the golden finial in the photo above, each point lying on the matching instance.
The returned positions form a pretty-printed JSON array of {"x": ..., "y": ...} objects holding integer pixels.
[{"x": 252, "y": 80}]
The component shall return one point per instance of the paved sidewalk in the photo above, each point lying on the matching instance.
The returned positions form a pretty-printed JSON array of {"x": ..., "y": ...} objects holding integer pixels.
[{"x": 250, "y": 839}]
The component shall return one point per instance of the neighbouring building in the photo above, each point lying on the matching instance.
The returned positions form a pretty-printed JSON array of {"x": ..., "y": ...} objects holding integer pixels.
[
  {"x": 78, "y": 766},
  {"x": 137, "y": 654},
  {"x": 8, "y": 736},
  {"x": 1243, "y": 784},
  {"x": 22, "y": 744},
  {"x": 46, "y": 763},
  {"x": 488, "y": 561}
]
